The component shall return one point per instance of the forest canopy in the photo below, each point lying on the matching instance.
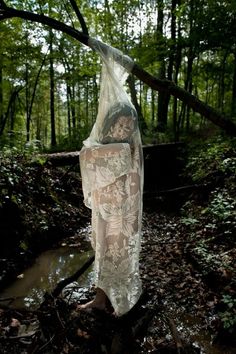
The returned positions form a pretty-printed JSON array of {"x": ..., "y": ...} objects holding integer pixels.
[{"x": 49, "y": 82}]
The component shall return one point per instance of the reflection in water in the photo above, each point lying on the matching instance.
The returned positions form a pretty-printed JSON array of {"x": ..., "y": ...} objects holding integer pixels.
[
  {"x": 54, "y": 265},
  {"x": 192, "y": 328},
  {"x": 49, "y": 268}
]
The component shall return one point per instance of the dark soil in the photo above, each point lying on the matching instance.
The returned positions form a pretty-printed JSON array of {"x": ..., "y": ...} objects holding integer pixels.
[
  {"x": 187, "y": 268},
  {"x": 175, "y": 293}
]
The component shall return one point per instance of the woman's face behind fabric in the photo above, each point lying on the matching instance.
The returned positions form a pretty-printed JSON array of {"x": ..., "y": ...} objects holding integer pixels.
[
  {"x": 119, "y": 124},
  {"x": 122, "y": 129}
]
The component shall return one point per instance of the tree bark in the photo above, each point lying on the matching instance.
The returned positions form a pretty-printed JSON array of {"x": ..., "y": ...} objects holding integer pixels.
[
  {"x": 233, "y": 100},
  {"x": 1, "y": 88},
  {"x": 79, "y": 16},
  {"x": 35, "y": 87},
  {"x": 68, "y": 108},
  {"x": 178, "y": 55},
  {"x": 10, "y": 103},
  {"x": 153, "y": 82},
  {"x": 27, "y": 93},
  {"x": 163, "y": 97},
  {"x": 52, "y": 93},
  {"x": 131, "y": 83},
  {"x": 188, "y": 88}
]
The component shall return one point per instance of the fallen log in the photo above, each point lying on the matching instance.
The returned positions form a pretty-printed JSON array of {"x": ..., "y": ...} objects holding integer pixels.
[
  {"x": 62, "y": 158},
  {"x": 182, "y": 189}
]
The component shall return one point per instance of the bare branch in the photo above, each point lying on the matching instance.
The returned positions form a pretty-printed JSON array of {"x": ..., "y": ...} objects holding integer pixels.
[
  {"x": 68, "y": 13},
  {"x": 9, "y": 12},
  {"x": 80, "y": 17}
]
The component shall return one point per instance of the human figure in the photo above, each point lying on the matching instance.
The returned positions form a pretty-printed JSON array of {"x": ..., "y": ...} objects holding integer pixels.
[{"x": 112, "y": 178}]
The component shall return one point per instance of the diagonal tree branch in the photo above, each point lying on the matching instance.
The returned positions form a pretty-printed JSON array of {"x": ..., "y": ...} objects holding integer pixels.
[
  {"x": 153, "y": 82},
  {"x": 80, "y": 17},
  {"x": 9, "y": 12},
  {"x": 2, "y": 4},
  {"x": 192, "y": 101}
]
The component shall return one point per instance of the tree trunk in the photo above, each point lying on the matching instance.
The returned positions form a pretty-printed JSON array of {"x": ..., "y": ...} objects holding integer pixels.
[
  {"x": 52, "y": 91},
  {"x": 12, "y": 119},
  {"x": 187, "y": 87},
  {"x": 87, "y": 99},
  {"x": 233, "y": 99},
  {"x": 95, "y": 98},
  {"x": 153, "y": 98},
  {"x": 133, "y": 93},
  {"x": 71, "y": 104},
  {"x": 222, "y": 83},
  {"x": 1, "y": 89},
  {"x": 163, "y": 100},
  {"x": 185, "y": 112},
  {"x": 164, "y": 97},
  {"x": 73, "y": 115},
  {"x": 68, "y": 109},
  {"x": 27, "y": 101},
  {"x": 34, "y": 91},
  {"x": 10, "y": 104},
  {"x": 70, "y": 91}
]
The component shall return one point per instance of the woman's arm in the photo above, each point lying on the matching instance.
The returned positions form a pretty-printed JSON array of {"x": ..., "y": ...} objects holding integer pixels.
[{"x": 103, "y": 151}]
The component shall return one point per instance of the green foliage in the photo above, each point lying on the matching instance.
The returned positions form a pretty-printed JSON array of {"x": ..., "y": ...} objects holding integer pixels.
[
  {"x": 17, "y": 169},
  {"x": 207, "y": 259},
  {"x": 222, "y": 206},
  {"x": 189, "y": 221},
  {"x": 199, "y": 54},
  {"x": 217, "y": 155},
  {"x": 210, "y": 218},
  {"x": 213, "y": 165},
  {"x": 228, "y": 316}
]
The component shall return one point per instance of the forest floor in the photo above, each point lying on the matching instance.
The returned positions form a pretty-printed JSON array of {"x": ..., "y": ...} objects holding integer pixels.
[
  {"x": 178, "y": 313},
  {"x": 187, "y": 268}
]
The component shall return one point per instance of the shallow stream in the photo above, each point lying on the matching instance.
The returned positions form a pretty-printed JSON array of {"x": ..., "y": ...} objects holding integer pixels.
[{"x": 48, "y": 269}]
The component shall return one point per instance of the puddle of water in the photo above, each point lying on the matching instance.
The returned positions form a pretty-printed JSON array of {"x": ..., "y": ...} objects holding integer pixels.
[
  {"x": 201, "y": 338},
  {"x": 48, "y": 269}
]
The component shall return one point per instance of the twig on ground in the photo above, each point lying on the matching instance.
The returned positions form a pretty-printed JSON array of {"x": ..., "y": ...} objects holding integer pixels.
[{"x": 60, "y": 286}]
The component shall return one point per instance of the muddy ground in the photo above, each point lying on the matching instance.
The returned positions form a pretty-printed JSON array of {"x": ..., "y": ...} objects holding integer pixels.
[
  {"x": 187, "y": 267},
  {"x": 178, "y": 312}
]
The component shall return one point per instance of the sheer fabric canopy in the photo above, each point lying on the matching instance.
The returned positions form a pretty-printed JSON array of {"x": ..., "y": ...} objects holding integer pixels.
[{"x": 111, "y": 164}]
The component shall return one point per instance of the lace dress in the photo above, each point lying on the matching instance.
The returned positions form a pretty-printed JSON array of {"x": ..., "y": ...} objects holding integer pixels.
[{"x": 111, "y": 165}]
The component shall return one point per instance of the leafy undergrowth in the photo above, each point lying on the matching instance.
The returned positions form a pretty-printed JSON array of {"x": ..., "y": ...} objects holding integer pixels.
[
  {"x": 39, "y": 205},
  {"x": 210, "y": 220}
]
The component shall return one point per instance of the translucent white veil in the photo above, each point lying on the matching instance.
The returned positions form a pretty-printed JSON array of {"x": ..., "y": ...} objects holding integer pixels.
[{"x": 111, "y": 164}]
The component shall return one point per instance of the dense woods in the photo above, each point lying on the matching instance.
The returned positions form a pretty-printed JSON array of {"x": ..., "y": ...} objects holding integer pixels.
[
  {"x": 183, "y": 86},
  {"x": 50, "y": 82}
]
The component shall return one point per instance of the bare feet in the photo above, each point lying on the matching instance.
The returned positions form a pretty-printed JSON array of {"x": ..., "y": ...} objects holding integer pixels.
[
  {"x": 92, "y": 304},
  {"x": 99, "y": 302}
]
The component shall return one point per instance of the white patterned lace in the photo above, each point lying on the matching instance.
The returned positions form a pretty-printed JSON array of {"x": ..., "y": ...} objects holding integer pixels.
[{"x": 111, "y": 165}]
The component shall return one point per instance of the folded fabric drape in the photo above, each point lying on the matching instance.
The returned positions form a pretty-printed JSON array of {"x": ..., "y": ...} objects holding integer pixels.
[{"x": 111, "y": 164}]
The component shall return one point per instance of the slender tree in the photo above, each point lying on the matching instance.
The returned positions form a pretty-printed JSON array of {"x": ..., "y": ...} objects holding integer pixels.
[{"x": 52, "y": 90}]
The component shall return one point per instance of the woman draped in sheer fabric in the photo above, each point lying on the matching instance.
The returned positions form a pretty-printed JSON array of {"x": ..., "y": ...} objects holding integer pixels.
[{"x": 111, "y": 163}]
